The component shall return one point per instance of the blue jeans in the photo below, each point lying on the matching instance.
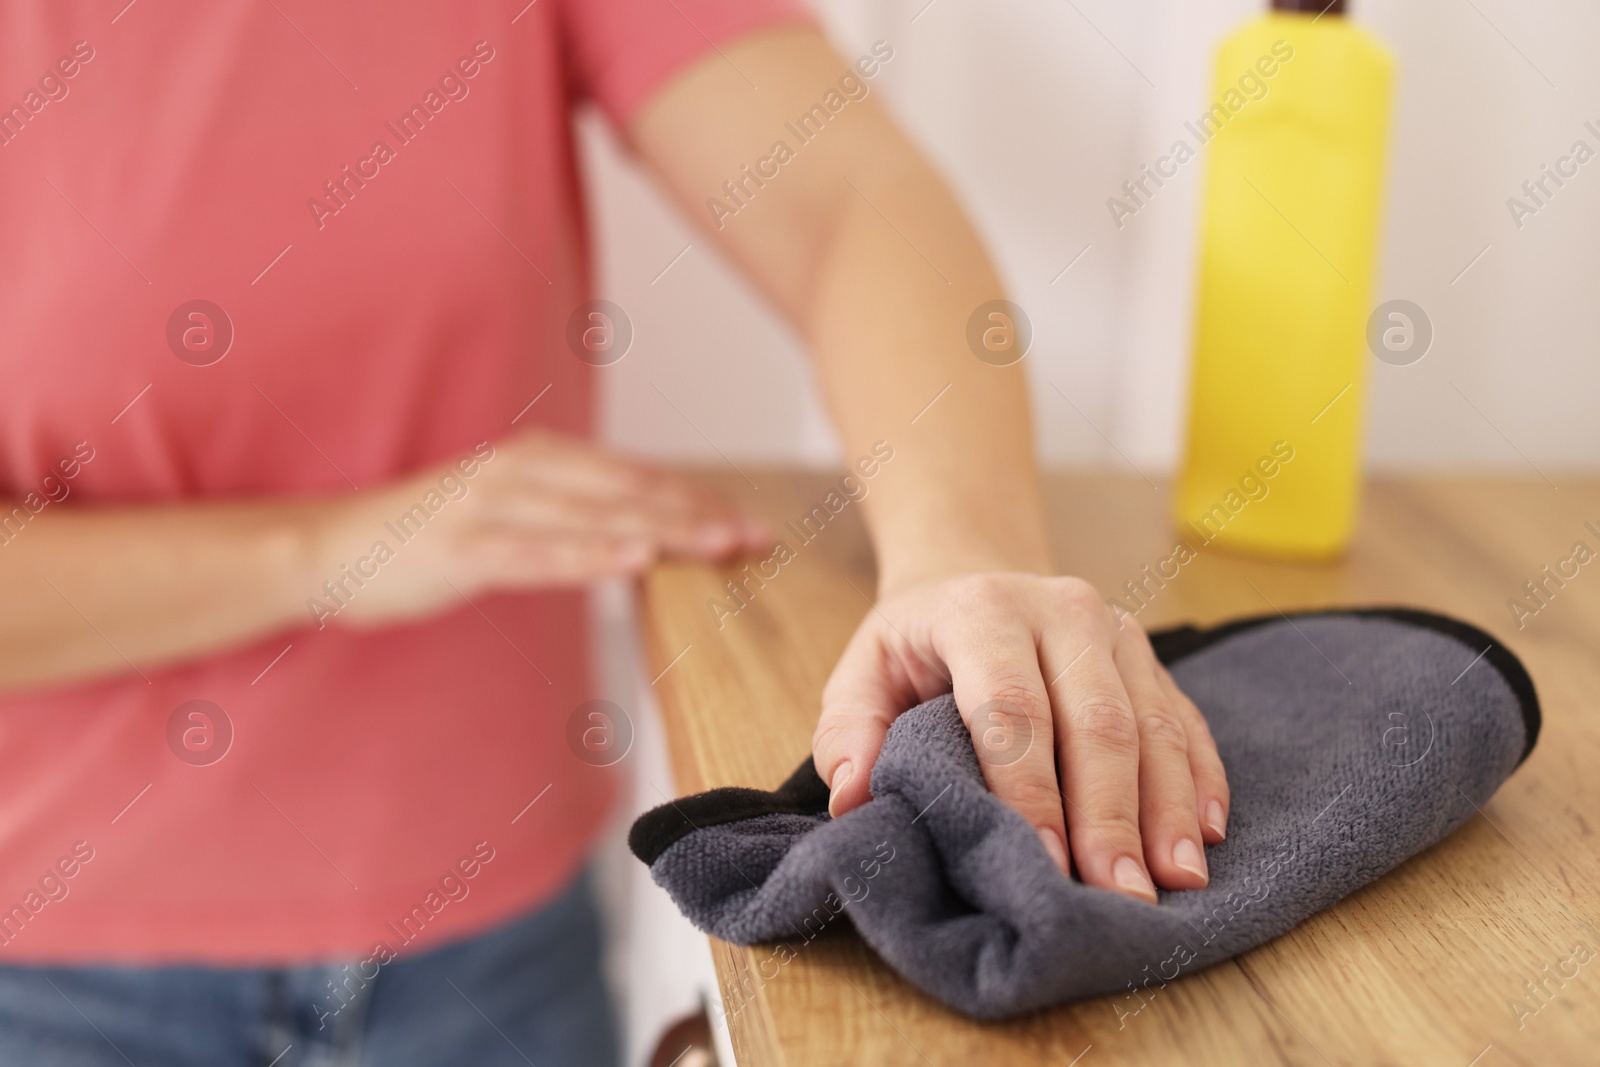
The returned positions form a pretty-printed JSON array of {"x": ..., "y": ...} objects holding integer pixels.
[{"x": 530, "y": 992}]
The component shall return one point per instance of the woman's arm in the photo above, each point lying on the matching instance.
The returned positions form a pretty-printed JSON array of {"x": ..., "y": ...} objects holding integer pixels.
[
  {"x": 855, "y": 237},
  {"x": 93, "y": 591},
  {"x": 861, "y": 245}
]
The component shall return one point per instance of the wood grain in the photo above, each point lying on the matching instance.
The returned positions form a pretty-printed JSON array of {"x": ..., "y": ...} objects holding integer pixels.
[{"x": 1423, "y": 967}]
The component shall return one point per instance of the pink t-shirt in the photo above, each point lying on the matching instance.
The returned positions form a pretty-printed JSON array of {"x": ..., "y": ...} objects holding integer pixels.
[{"x": 382, "y": 201}]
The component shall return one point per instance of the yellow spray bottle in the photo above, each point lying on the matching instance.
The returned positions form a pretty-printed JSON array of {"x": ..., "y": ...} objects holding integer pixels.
[{"x": 1288, "y": 246}]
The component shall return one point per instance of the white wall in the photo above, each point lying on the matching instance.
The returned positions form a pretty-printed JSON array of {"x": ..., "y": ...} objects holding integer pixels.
[{"x": 1037, "y": 110}]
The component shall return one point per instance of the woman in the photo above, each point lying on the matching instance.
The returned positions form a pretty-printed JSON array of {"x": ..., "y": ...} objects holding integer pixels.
[{"x": 299, "y": 360}]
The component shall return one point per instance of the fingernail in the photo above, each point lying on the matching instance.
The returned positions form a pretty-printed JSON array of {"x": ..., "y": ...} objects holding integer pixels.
[
  {"x": 1187, "y": 855},
  {"x": 1214, "y": 818},
  {"x": 1131, "y": 877},
  {"x": 1053, "y": 845},
  {"x": 841, "y": 778}
]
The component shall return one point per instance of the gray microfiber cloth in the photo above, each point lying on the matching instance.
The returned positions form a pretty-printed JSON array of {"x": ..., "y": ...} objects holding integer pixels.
[{"x": 1352, "y": 739}]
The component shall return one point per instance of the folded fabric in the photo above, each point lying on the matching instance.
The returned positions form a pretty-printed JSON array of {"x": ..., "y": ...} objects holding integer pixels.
[{"x": 1353, "y": 740}]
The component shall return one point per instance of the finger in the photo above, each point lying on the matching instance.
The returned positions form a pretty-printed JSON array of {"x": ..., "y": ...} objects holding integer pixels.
[
  {"x": 717, "y": 526},
  {"x": 1212, "y": 796},
  {"x": 546, "y": 514},
  {"x": 543, "y": 509},
  {"x": 859, "y": 702},
  {"x": 579, "y": 469},
  {"x": 511, "y": 561},
  {"x": 1097, "y": 744},
  {"x": 994, "y": 668},
  {"x": 1169, "y": 824},
  {"x": 577, "y": 466}
]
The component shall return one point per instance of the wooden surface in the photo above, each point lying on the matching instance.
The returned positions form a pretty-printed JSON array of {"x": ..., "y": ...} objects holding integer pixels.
[{"x": 1424, "y": 967}]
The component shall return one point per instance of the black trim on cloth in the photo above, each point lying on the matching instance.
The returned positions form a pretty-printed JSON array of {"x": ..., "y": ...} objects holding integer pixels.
[
  {"x": 805, "y": 793},
  {"x": 1180, "y": 641}
]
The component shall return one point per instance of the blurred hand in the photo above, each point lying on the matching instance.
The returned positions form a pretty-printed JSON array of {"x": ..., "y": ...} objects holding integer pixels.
[
  {"x": 536, "y": 511},
  {"x": 1076, "y": 724}
]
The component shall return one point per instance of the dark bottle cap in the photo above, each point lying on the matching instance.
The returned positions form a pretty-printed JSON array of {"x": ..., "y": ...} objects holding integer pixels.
[{"x": 1319, "y": 7}]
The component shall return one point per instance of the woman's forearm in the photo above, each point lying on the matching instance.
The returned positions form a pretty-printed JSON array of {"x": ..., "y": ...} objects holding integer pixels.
[
  {"x": 93, "y": 591},
  {"x": 857, "y": 240},
  {"x": 963, "y": 494}
]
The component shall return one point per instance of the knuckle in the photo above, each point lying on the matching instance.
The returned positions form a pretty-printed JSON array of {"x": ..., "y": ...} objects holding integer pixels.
[
  {"x": 1159, "y": 726},
  {"x": 1106, "y": 721},
  {"x": 1080, "y": 595},
  {"x": 831, "y": 734},
  {"x": 1130, "y": 630},
  {"x": 1112, "y": 831},
  {"x": 1035, "y": 796},
  {"x": 980, "y": 592},
  {"x": 1013, "y": 697},
  {"x": 1013, "y": 704}
]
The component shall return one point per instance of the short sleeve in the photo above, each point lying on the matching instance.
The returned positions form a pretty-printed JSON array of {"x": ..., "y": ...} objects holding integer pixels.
[{"x": 622, "y": 51}]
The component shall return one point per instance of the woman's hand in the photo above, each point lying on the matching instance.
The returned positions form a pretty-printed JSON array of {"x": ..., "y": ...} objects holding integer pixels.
[
  {"x": 166, "y": 583},
  {"x": 1076, "y": 724},
  {"x": 535, "y": 511}
]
